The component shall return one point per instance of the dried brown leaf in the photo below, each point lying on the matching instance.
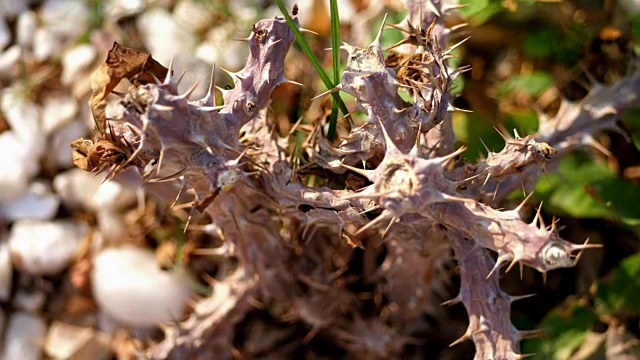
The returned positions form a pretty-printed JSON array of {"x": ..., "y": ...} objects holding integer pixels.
[{"x": 122, "y": 63}]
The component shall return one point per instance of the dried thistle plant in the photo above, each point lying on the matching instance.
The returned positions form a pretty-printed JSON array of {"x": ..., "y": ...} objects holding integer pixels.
[{"x": 296, "y": 244}]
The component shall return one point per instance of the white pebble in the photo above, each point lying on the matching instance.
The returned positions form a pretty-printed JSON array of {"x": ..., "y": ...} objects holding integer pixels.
[
  {"x": 129, "y": 286},
  {"x": 37, "y": 203},
  {"x": 45, "y": 248},
  {"x": 75, "y": 61},
  {"x": 6, "y": 272},
  {"x": 64, "y": 340},
  {"x": 68, "y": 19},
  {"x": 26, "y": 29},
  {"x": 113, "y": 196},
  {"x": 46, "y": 44},
  {"x": 61, "y": 153},
  {"x": 11, "y": 8},
  {"x": 9, "y": 62},
  {"x": 5, "y": 34},
  {"x": 23, "y": 117},
  {"x": 57, "y": 111},
  {"x": 23, "y": 337},
  {"x": 163, "y": 36},
  {"x": 192, "y": 15},
  {"x": 77, "y": 188},
  {"x": 14, "y": 175}
]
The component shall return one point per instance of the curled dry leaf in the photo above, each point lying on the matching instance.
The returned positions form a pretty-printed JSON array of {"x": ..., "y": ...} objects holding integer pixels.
[{"x": 122, "y": 63}]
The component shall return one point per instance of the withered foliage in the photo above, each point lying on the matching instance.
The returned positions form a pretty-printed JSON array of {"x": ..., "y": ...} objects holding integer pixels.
[{"x": 104, "y": 151}]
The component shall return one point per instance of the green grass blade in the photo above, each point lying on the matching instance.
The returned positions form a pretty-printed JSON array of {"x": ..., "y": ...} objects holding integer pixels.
[
  {"x": 306, "y": 50},
  {"x": 335, "y": 51}
]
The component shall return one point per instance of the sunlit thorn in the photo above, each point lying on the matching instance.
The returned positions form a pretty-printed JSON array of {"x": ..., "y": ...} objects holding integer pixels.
[
  {"x": 330, "y": 91},
  {"x": 273, "y": 43},
  {"x": 182, "y": 74},
  {"x": 394, "y": 220},
  {"x": 210, "y": 97},
  {"x": 503, "y": 136},
  {"x": 512, "y": 264},
  {"x": 516, "y": 135},
  {"x": 431, "y": 8},
  {"x": 451, "y": 108},
  {"x": 544, "y": 277},
  {"x": 366, "y": 173},
  {"x": 287, "y": 81},
  {"x": 582, "y": 248},
  {"x": 461, "y": 339},
  {"x": 485, "y": 146},
  {"x": 524, "y": 356},
  {"x": 167, "y": 79},
  {"x": 455, "y": 300},
  {"x": 303, "y": 30},
  {"x": 528, "y": 334},
  {"x": 538, "y": 218},
  {"x": 182, "y": 188},
  {"x": 370, "y": 224},
  {"x": 168, "y": 178},
  {"x": 523, "y": 203},
  {"x": 485, "y": 181},
  {"x": 160, "y": 158},
  {"x": 554, "y": 227},
  {"x": 189, "y": 91},
  {"x": 378, "y": 39},
  {"x": 186, "y": 224},
  {"x": 456, "y": 45},
  {"x": 458, "y": 27},
  {"x": 521, "y": 297},
  {"x": 501, "y": 259},
  {"x": 211, "y": 108},
  {"x": 161, "y": 107},
  {"x": 242, "y": 39}
]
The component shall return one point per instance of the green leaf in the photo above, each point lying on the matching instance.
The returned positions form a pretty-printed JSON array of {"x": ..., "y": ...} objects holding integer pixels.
[
  {"x": 620, "y": 293},
  {"x": 536, "y": 44},
  {"x": 533, "y": 84},
  {"x": 632, "y": 120},
  {"x": 312, "y": 58},
  {"x": 565, "y": 328},
  {"x": 480, "y": 11},
  {"x": 585, "y": 188}
]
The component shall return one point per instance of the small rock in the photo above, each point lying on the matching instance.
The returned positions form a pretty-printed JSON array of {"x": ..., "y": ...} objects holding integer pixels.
[
  {"x": 9, "y": 59},
  {"x": 75, "y": 61},
  {"x": 77, "y": 188},
  {"x": 58, "y": 111},
  {"x": 23, "y": 336},
  {"x": 68, "y": 19},
  {"x": 14, "y": 175},
  {"x": 11, "y": 9},
  {"x": 193, "y": 15},
  {"x": 64, "y": 340},
  {"x": 37, "y": 203},
  {"x": 61, "y": 154},
  {"x": 45, "y": 248},
  {"x": 113, "y": 196},
  {"x": 6, "y": 272},
  {"x": 46, "y": 44},
  {"x": 26, "y": 29},
  {"x": 23, "y": 117},
  {"x": 163, "y": 36},
  {"x": 5, "y": 34},
  {"x": 129, "y": 286}
]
